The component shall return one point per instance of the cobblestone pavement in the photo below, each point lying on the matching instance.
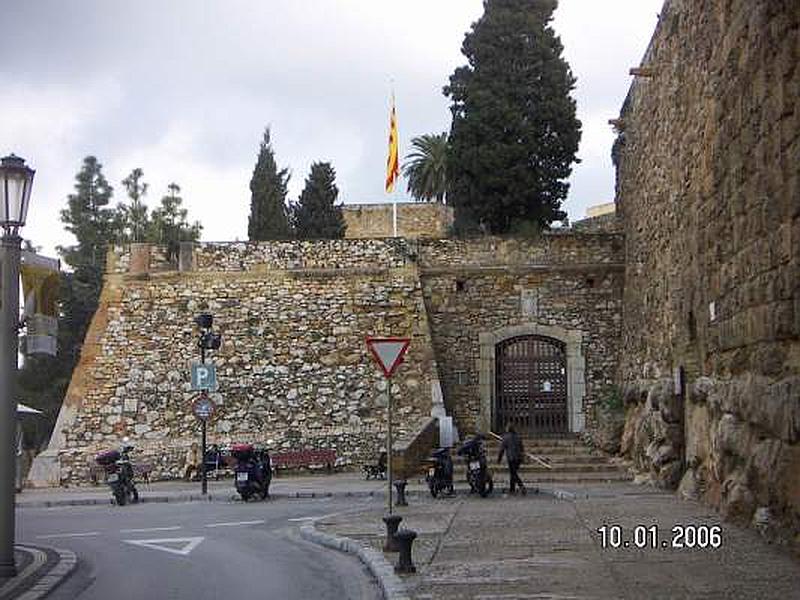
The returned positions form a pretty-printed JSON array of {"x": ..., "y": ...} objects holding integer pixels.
[{"x": 539, "y": 546}]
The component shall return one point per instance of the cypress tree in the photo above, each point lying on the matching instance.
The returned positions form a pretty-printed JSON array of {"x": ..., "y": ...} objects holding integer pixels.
[
  {"x": 514, "y": 133},
  {"x": 268, "y": 212},
  {"x": 316, "y": 216}
]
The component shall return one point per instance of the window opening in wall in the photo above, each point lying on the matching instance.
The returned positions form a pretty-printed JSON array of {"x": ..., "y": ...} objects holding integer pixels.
[
  {"x": 461, "y": 285},
  {"x": 461, "y": 377},
  {"x": 590, "y": 282}
]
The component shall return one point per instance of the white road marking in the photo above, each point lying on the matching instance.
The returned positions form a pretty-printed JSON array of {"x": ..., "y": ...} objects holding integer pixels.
[
  {"x": 234, "y": 523},
  {"x": 145, "y": 530},
  {"x": 317, "y": 518},
  {"x": 188, "y": 544},
  {"x": 67, "y": 535}
]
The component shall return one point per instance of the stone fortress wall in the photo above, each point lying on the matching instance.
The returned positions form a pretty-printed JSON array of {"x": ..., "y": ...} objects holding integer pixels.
[
  {"x": 293, "y": 367},
  {"x": 414, "y": 220},
  {"x": 708, "y": 188}
]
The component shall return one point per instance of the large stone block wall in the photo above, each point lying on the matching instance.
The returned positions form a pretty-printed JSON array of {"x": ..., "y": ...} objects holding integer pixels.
[
  {"x": 564, "y": 285},
  {"x": 708, "y": 190},
  {"x": 293, "y": 367},
  {"x": 414, "y": 220}
]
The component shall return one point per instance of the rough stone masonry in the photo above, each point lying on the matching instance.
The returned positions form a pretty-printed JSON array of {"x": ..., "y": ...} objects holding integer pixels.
[
  {"x": 294, "y": 367},
  {"x": 708, "y": 186}
]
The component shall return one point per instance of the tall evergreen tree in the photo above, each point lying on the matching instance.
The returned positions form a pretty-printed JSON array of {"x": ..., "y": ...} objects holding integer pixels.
[
  {"x": 316, "y": 216},
  {"x": 268, "y": 187},
  {"x": 426, "y": 167},
  {"x": 514, "y": 133},
  {"x": 168, "y": 224},
  {"x": 133, "y": 217}
]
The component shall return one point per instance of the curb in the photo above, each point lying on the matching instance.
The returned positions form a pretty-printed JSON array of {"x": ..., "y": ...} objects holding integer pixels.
[
  {"x": 46, "y": 583},
  {"x": 391, "y": 585},
  {"x": 231, "y": 497}
]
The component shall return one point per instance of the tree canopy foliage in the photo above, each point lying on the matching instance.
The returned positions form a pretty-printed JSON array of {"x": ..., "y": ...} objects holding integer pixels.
[
  {"x": 316, "y": 215},
  {"x": 268, "y": 187},
  {"x": 426, "y": 167},
  {"x": 514, "y": 132}
]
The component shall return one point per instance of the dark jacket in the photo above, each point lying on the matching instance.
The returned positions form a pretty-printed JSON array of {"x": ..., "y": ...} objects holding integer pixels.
[{"x": 512, "y": 447}]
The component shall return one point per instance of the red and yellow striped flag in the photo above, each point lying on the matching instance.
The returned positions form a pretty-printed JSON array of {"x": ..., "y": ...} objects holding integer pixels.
[{"x": 393, "y": 162}]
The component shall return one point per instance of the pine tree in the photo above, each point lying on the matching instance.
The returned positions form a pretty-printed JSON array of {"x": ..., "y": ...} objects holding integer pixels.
[
  {"x": 168, "y": 224},
  {"x": 514, "y": 132},
  {"x": 268, "y": 187},
  {"x": 133, "y": 217},
  {"x": 316, "y": 216}
]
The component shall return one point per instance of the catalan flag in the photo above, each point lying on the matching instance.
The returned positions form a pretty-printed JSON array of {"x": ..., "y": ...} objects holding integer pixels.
[{"x": 392, "y": 163}]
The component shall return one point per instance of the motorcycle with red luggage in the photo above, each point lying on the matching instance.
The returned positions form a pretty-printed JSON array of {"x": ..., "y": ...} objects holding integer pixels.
[
  {"x": 253, "y": 471},
  {"x": 119, "y": 474}
]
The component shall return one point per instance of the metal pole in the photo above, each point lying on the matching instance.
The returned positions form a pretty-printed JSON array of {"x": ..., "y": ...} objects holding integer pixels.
[
  {"x": 389, "y": 443},
  {"x": 203, "y": 477},
  {"x": 9, "y": 321}
]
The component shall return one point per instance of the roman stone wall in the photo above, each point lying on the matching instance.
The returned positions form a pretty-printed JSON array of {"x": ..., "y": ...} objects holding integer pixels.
[
  {"x": 293, "y": 367},
  {"x": 481, "y": 291},
  {"x": 414, "y": 220},
  {"x": 708, "y": 190}
]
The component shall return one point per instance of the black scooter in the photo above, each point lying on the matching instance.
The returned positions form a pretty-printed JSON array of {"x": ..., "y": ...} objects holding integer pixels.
[
  {"x": 479, "y": 476},
  {"x": 119, "y": 474},
  {"x": 440, "y": 473},
  {"x": 253, "y": 471}
]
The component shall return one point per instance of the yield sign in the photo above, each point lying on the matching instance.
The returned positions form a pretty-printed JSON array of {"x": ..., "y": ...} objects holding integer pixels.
[
  {"x": 388, "y": 352},
  {"x": 180, "y": 546}
]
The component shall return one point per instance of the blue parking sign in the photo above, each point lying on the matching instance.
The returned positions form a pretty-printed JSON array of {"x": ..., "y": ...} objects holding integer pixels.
[{"x": 204, "y": 377}]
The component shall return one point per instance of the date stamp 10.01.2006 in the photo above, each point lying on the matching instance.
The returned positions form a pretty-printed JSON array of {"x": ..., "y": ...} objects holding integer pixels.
[{"x": 653, "y": 537}]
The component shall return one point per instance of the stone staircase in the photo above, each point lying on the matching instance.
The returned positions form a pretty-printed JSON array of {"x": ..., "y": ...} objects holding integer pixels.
[{"x": 572, "y": 461}]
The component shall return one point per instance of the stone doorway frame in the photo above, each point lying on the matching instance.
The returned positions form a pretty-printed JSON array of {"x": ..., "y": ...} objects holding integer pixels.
[{"x": 576, "y": 369}]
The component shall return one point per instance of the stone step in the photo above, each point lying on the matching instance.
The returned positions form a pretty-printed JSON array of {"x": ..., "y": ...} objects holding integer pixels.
[
  {"x": 573, "y": 477},
  {"x": 576, "y": 468}
]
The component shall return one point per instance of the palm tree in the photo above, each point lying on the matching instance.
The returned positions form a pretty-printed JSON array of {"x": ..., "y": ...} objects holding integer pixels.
[{"x": 425, "y": 167}]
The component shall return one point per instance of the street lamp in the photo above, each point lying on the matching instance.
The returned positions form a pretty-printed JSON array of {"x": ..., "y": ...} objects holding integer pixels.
[
  {"x": 16, "y": 181},
  {"x": 206, "y": 341}
]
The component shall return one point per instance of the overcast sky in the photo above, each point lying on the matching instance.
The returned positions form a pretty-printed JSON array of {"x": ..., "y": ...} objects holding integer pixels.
[{"x": 184, "y": 88}]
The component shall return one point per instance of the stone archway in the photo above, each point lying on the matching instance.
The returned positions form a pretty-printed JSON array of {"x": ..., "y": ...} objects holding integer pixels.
[{"x": 576, "y": 365}]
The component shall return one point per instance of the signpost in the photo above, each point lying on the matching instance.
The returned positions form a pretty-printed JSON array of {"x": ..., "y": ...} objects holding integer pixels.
[
  {"x": 388, "y": 353},
  {"x": 204, "y": 378}
]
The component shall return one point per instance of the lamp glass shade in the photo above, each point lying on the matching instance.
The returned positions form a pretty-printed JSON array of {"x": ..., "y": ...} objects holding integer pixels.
[{"x": 16, "y": 181}]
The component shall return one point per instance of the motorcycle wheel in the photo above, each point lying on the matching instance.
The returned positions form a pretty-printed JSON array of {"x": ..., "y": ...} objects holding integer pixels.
[
  {"x": 483, "y": 490},
  {"x": 245, "y": 495},
  {"x": 120, "y": 496},
  {"x": 264, "y": 492},
  {"x": 490, "y": 487},
  {"x": 134, "y": 494}
]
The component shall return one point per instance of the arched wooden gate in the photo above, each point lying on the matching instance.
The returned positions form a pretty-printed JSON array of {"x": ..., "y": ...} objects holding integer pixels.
[{"x": 531, "y": 380}]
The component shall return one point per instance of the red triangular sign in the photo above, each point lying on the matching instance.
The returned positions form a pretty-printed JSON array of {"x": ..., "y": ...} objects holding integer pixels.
[{"x": 388, "y": 352}]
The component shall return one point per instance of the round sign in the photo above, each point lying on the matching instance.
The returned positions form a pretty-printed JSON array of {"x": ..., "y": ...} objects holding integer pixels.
[{"x": 204, "y": 408}]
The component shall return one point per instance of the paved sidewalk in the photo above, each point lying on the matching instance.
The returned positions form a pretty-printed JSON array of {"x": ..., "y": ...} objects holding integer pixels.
[{"x": 543, "y": 546}]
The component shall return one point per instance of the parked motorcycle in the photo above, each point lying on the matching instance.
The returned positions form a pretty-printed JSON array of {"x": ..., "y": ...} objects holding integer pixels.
[
  {"x": 440, "y": 473},
  {"x": 119, "y": 474},
  {"x": 479, "y": 476},
  {"x": 253, "y": 471}
]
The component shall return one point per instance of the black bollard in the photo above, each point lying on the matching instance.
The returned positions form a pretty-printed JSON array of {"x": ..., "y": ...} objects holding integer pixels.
[
  {"x": 404, "y": 539},
  {"x": 400, "y": 486},
  {"x": 392, "y": 523}
]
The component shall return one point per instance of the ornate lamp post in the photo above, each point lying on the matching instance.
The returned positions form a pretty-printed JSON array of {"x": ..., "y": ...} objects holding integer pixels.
[{"x": 16, "y": 181}]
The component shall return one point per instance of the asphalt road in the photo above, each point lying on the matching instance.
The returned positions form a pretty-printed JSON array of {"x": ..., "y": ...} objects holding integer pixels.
[{"x": 199, "y": 551}]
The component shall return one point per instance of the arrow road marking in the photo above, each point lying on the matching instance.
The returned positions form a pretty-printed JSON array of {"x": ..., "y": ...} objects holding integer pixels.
[
  {"x": 235, "y": 523},
  {"x": 189, "y": 544}
]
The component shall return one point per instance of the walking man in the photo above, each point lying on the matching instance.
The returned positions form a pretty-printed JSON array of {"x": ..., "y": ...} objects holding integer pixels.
[{"x": 512, "y": 447}]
